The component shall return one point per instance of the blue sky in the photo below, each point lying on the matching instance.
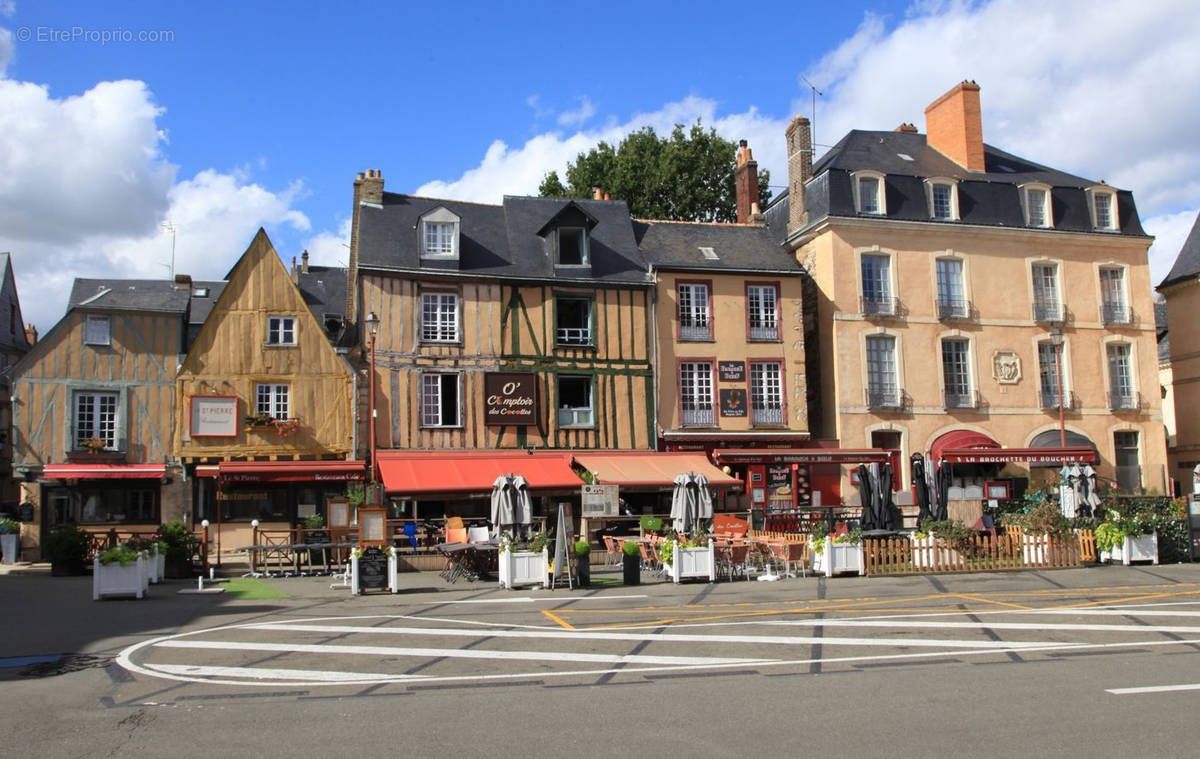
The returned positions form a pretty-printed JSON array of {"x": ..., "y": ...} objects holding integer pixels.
[{"x": 260, "y": 114}]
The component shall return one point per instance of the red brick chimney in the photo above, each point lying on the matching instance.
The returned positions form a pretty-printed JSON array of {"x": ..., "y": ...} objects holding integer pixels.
[
  {"x": 800, "y": 155},
  {"x": 906, "y": 127},
  {"x": 954, "y": 126},
  {"x": 368, "y": 188},
  {"x": 745, "y": 180},
  {"x": 31, "y": 334}
]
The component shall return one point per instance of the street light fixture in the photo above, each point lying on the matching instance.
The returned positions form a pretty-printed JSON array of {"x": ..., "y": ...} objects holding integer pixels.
[
  {"x": 372, "y": 330},
  {"x": 1056, "y": 339}
]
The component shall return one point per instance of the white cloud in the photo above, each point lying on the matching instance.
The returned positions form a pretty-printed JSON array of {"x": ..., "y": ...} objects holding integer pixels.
[
  {"x": 330, "y": 248},
  {"x": 1170, "y": 231},
  {"x": 581, "y": 114},
  {"x": 7, "y": 8}
]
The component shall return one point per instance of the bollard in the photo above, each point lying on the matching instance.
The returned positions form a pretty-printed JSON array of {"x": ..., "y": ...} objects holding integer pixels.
[
  {"x": 200, "y": 582},
  {"x": 211, "y": 571}
]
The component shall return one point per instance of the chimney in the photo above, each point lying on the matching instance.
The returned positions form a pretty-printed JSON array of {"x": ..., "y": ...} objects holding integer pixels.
[
  {"x": 183, "y": 282},
  {"x": 368, "y": 188},
  {"x": 800, "y": 154},
  {"x": 292, "y": 271},
  {"x": 31, "y": 334},
  {"x": 371, "y": 184},
  {"x": 907, "y": 128},
  {"x": 304, "y": 262},
  {"x": 597, "y": 193},
  {"x": 954, "y": 126},
  {"x": 607, "y": 196},
  {"x": 745, "y": 181}
]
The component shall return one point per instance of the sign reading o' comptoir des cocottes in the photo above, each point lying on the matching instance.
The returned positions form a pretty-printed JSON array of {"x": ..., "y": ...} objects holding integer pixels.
[{"x": 510, "y": 398}]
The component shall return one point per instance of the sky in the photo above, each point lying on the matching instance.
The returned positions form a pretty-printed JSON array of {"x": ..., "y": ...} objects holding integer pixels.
[{"x": 134, "y": 136}]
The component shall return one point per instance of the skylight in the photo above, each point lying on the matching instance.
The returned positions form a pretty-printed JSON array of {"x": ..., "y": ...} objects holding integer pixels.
[
  {"x": 709, "y": 253},
  {"x": 905, "y": 156}
]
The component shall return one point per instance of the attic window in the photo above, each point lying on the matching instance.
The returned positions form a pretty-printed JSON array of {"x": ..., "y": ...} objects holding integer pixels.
[
  {"x": 905, "y": 156},
  {"x": 709, "y": 253},
  {"x": 869, "y": 196},
  {"x": 572, "y": 246},
  {"x": 439, "y": 234},
  {"x": 200, "y": 292}
]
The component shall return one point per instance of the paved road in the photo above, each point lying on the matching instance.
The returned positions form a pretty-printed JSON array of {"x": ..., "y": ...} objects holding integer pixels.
[{"x": 1062, "y": 663}]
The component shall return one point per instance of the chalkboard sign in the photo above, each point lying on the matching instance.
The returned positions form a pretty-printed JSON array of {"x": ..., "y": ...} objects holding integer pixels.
[
  {"x": 372, "y": 569},
  {"x": 311, "y": 537}
]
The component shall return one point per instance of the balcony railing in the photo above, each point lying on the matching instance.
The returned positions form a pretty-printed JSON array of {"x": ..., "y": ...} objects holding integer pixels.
[
  {"x": 961, "y": 399},
  {"x": 574, "y": 336},
  {"x": 879, "y": 305},
  {"x": 766, "y": 416},
  {"x": 574, "y": 417},
  {"x": 1123, "y": 401},
  {"x": 1047, "y": 310},
  {"x": 883, "y": 397},
  {"x": 1115, "y": 313},
  {"x": 1050, "y": 400},
  {"x": 694, "y": 332},
  {"x": 948, "y": 308},
  {"x": 698, "y": 417},
  {"x": 770, "y": 332}
]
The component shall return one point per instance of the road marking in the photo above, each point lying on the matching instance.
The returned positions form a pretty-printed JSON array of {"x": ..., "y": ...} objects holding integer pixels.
[
  {"x": 536, "y": 599},
  {"x": 978, "y": 625},
  {"x": 264, "y": 673},
  {"x": 1152, "y": 689}
]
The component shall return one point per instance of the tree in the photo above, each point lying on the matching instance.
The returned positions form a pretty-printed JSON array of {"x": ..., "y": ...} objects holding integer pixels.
[{"x": 685, "y": 177}]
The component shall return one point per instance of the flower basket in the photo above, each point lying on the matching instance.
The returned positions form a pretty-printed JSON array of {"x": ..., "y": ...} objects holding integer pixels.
[
  {"x": 836, "y": 558},
  {"x": 692, "y": 562},
  {"x": 524, "y": 568},
  {"x": 112, "y": 579}
]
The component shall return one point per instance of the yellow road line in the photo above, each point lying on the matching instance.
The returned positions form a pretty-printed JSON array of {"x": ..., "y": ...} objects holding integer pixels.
[{"x": 558, "y": 620}]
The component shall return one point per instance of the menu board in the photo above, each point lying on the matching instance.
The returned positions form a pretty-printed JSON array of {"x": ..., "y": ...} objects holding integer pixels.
[
  {"x": 338, "y": 510},
  {"x": 373, "y": 569},
  {"x": 372, "y": 524}
]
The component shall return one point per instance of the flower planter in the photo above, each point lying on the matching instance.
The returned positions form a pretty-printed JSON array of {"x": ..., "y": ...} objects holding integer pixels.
[
  {"x": 156, "y": 565},
  {"x": 524, "y": 568},
  {"x": 692, "y": 562},
  {"x": 115, "y": 580},
  {"x": 837, "y": 558},
  {"x": 10, "y": 546},
  {"x": 1136, "y": 548},
  {"x": 928, "y": 554}
]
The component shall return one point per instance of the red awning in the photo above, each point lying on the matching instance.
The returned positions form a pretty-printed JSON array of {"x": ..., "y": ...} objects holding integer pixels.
[
  {"x": 291, "y": 471},
  {"x": 1071, "y": 454},
  {"x": 104, "y": 471},
  {"x": 649, "y": 469},
  {"x": 959, "y": 440},
  {"x": 413, "y": 473},
  {"x": 801, "y": 455}
]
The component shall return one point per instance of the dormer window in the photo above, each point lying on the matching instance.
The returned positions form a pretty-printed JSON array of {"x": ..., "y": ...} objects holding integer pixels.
[
  {"x": 572, "y": 247},
  {"x": 869, "y": 194},
  {"x": 1104, "y": 209},
  {"x": 1036, "y": 200},
  {"x": 439, "y": 234},
  {"x": 943, "y": 199}
]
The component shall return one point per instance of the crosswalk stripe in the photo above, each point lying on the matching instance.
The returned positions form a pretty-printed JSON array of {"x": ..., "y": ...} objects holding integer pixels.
[
  {"x": 267, "y": 673},
  {"x": 1152, "y": 689},
  {"x": 978, "y": 625}
]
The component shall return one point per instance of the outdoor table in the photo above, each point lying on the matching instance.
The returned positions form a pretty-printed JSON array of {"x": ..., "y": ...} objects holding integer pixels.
[
  {"x": 297, "y": 551},
  {"x": 471, "y": 560}
]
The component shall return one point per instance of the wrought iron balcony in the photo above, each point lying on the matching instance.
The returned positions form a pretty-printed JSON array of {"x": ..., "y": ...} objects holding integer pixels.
[
  {"x": 1123, "y": 401},
  {"x": 948, "y": 308},
  {"x": 962, "y": 399},
  {"x": 879, "y": 305},
  {"x": 698, "y": 417},
  {"x": 772, "y": 416},
  {"x": 765, "y": 332},
  {"x": 1115, "y": 313},
  {"x": 1050, "y": 400},
  {"x": 695, "y": 332},
  {"x": 884, "y": 396},
  {"x": 1047, "y": 310}
]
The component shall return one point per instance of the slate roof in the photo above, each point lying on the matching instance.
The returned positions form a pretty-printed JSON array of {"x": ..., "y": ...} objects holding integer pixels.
[
  {"x": 324, "y": 290},
  {"x": 500, "y": 241},
  {"x": 987, "y": 198},
  {"x": 1187, "y": 263},
  {"x": 202, "y": 306},
  {"x": 156, "y": 295},
  {"x": 738, "y": 247},
  {"x": 1161, "y": 332}
]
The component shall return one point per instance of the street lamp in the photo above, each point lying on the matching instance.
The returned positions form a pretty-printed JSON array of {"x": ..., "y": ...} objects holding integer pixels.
[
  {"x": 1056, "y": 339},
  {"x": 372, "y": 330}
]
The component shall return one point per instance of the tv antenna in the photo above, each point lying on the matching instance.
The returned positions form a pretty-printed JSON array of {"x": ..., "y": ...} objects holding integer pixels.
[
  {"x": 170, "y": 228},
  {"x": 815, "y": 92}
]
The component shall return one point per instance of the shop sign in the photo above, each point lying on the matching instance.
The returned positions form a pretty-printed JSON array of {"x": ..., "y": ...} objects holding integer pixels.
[
  {"x": 214, "y": 416},
  {"x": 732, "y": 371},
  {"x": 733, "y": 402},
  {"x": 510, "y": 399}
]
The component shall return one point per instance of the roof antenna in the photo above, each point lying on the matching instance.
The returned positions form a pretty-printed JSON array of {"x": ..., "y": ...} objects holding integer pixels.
[{"x": 813, "y": 134}]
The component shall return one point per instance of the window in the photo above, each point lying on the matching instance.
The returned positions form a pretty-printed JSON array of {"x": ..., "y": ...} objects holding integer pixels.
[
  {"x": 1129, "y": 470},
  {"x": 1112, "y": 296},
  {"x": 877, "y": 285},
  {"x": 943, "y": 204},
  {"x": 1120, "y": 378},
  {"x": 882, "y": 388},
  {"x": 696, "y": 393},
  {"x": 98, "y": 330},
  {"x": 868, "y": 194},
  {"x": 575, "y": 401},
  {"x": 1052, "y": 389},
  {"x": 762, "y": 302},
  {"x": 1037, "y": 206},
  {"x": 95, "y": 502},
  {"x": 956, "y": 373},
  {"x": 766, "y": 392},
  {"x": 573, "y": 321},
  {"x": 951, "y": 297},
  {"x": 440, "y": 400},
  {"x": 439, "y": 317},
  {"x": 272, "y": 399},
  {"x": 439, "y": 234},
  {"x": 281, "y": 330},
  {"x": 96, "y": 419},
  {"x": 1046, "y": 304},
  {"x": 1104, "y": 213},
  {"x": 572, "y": 246},
  {"x": 694, "y": 315}
]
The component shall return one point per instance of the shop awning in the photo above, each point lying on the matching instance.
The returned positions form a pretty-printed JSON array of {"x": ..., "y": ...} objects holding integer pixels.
[
  {"x": 414, "y": 473},
  {"x": 104, "y": 471},
  {"x": 960, "y": 440},
  {"x": 1077, "y": 454},
  {"x": 801, "y": 455},
  {"x": 291, "y": 471},
  {"x": 646, "y": 469}
]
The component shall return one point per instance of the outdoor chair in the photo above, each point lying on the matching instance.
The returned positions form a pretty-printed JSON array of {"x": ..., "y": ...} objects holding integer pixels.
[
  {"x": 477, "y": 535},
  {"x": 612, "y": 551},
  {"x": 456, "y": 535},
  {"x": 454, "y": 523},
  {"x": 732, "y": 560}
]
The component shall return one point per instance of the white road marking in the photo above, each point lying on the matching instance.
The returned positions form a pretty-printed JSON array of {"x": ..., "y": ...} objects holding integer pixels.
[
  {"x": 535, "y": 599},
  {"x": 456, "y": 653},
  {"x": 977, "y": 625},
  {"x": 787, "y": 640},
  {"x": 265, "y": 673},
  {"x": 1152, "y": 689}
]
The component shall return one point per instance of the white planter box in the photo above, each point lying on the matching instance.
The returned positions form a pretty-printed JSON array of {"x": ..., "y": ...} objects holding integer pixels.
[
  {"x": 10, "y": 546},
  {"x": 837, "y": 558},
  {"x": 693, "y": 562},
  {"x": 524, "y": 568},
  {"x": 116, "y": 580},
  {"x": 927, "y": 554},
  {"x": 1139, "y": 548},
  {"x": 155, "y": 565}
]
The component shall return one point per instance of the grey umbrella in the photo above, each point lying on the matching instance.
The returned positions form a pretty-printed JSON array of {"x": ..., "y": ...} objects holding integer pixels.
[
  {"x": 1091, "y": 499},
  {"x": 943, "y": 479},
  {"x": 888, "y": 515},
  {"x": 503, "y": 503},
  {"x": 704, "y": 501},
  {"x": 921, "y": 486},
  {"x": 867, "y": 496},
  {"x": 522, "y": 504},
  {"x": 690, "y": 502}
]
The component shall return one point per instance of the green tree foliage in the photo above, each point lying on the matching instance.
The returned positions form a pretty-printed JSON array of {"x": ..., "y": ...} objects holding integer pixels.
[{"x": 685, "y": 177}]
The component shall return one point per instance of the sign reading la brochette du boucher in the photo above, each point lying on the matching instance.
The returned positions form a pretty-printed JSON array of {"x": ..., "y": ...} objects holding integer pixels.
[{"x": 510, "y": 398}]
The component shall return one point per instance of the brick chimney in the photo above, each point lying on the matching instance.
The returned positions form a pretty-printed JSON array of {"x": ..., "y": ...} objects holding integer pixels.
[
  {"x": 745, "y": 181},
  {"x": 183, "y": 282},
  {"x": 597, "y": 193},
  {"x": 906, "y": 127},
  {"x": 368, "y": 188},
  {"x": 954, "y": 126},
  {"x": 304, "y": 262},
  {"x": 31, "y": 334},
  {"x": 800, "y": 154}
]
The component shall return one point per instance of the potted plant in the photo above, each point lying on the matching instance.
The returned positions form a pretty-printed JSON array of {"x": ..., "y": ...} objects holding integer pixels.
[
  {"x": 260, "y": 419},
  {"x": 833, "y": 554},
  {"x": 631, "y": 563},
  {"x": 583, "y": 568},
  {"x": 524, "y": 562},
  {"x": 1127, "y": 539},
  {"x": 67, "y": 548},
  {"x": 119, "y": 571},
  {"x": 692, "y": 557},
  {"x": 10, "y": 540},
  {"x": 156, "y": 557},
  {"x": 179, "y": 543}
]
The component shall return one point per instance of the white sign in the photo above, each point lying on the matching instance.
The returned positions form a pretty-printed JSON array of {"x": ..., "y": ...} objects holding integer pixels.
[
  {"x": 599, "y": 500},
  {"x": 214, "y": 416}
]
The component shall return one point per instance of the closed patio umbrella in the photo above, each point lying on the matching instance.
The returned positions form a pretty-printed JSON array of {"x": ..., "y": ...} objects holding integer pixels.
[
  {"x": 704, "y": 501},
  {"x": 888, "y": 516},
  {"x": 1066, "y": 492},
  {"x": 522, "y": 504},
  {"x": 866, "y": 496},
  {"x": 942, "y": 481},
  {"x": 921, "y": 486},
  {"x": 1091, "y": 499},
  {"x": 503, "y": 503},
  {"x": 691, "y": 503}
]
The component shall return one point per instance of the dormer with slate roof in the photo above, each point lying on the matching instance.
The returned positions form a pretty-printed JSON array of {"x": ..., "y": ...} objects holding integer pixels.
[{"x": 566, "y": 237}]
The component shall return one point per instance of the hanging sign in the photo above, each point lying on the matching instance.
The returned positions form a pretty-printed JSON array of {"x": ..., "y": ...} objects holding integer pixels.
[
  {"x": 732, "y": 371},
  {"x": 510, "y": 398},
  {"x": 733, "y": 402},
  {"x": 214, "y": 416},
  {"x": 599, "y": 500}
]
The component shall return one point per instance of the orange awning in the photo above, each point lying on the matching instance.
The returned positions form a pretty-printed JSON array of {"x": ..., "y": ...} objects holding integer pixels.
[
  {"x": 104, "y": 471},
  {"x": 291, "y": 471},
  {"x": 412, "y": 473},
  {"x": 649, "y": 469}
]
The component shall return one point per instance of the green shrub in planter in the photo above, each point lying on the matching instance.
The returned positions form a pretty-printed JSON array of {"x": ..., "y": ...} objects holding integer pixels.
[
  {"x": 178, "y": 540},
  {"x": 67, "y": 548},
  {"x": 313, "y": 522},
  {"x": 583, "y": 564},
  {"x": 630, "y": 548},
  {"x": 631, "y": 563},
  {"x": 583, "y": 548},
  {"x": 9, "y": 526},
  {"x": 123, "y": 555}
]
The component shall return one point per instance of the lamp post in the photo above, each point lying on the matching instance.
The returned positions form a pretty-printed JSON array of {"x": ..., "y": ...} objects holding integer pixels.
[
  {"x": 1056, "y": 339},
  {"x": 372, "y": 330}
]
